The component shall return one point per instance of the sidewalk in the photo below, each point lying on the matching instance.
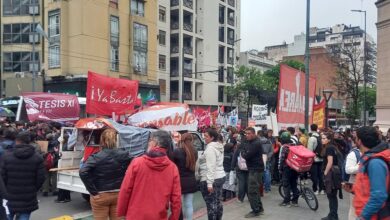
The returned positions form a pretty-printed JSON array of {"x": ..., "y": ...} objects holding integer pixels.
[{"x": 235, "y": 211}]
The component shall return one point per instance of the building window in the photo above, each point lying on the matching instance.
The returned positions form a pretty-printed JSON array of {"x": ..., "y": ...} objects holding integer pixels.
[
  {"x": 114, "y": 3},
  {"x": 220, "y": 93},
  {"x": 162, "y": 62},
  {"x": 162, "y": 14},
  {"x": 54, "y": 60},
  {"x": 19, "y": 33},
  {"x": 138, "y": 7},
  {"x": 54, "y": 56},
  {"x": 140, "y": 48},
  {"x": 20, "y": 7},
  {"x": 230, "y": 56},
  {"x": 161, "y": 37},
  {"x": 20, "y": 61},
  {"x": 114, "y": 41},
  {"x": 140, "y": 62}
]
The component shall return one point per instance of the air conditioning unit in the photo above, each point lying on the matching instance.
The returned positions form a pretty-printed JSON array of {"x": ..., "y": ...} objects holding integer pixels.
[
  {"x": 19, "y": 75},
  {"x": 33, "y": 10},
  {"x": 33, "y": 38}
]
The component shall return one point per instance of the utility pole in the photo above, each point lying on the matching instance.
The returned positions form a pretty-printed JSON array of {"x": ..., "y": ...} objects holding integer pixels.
[
  {"x": 33, "y": 46},
  {"x": 364, "y": 67},
  {"x": 182, "y": 75},
  {"x": 307, "y": 64}
]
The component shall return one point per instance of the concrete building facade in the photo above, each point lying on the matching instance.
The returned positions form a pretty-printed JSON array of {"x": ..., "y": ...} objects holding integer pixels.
[
  {"x": 204, "y": 49},
  {"x": 383, "y": 74},
  {"x": 255, "y": 59}
]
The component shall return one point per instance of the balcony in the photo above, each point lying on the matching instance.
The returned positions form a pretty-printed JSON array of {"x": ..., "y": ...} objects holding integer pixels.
[
  {"x": 174, "y": 49},
  {"x": 188, "y": 3},
  {"x": 187, "y": 73},
  {"x": 230, "y": 41},
  {"x": 188, "y": 50},
  {"x": 174, "y": 3},
  {"x": 174, "y": 96},
  {"x": 187, "y": 27},
  {"x": 187, "y": 95},
  {"x": 231, "y": 3},
  {"x": 174, "y": 73},
  {"x": 175, "y": 25},
  {"x": 231, "y": 22}
]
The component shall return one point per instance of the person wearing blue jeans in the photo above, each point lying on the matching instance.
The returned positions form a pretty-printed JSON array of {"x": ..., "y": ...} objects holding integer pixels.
[
  {"x": 19, "y": 216},
  {"x": 267, "y": 177},
  {"x": 188, "y": 207}
]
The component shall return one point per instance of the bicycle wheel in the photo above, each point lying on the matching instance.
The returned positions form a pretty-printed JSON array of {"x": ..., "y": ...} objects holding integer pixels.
[
  {"x": 281, "y": 191},
  {"x": 310, "y": 198}
]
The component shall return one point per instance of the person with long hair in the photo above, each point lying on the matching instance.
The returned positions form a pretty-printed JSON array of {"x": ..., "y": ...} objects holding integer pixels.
[
  {"x": 102, "y": 174},
  {"x": 185, "y": 156},
  {"x": 332, "y": 173},
  {"x": 212, "y": 174}
]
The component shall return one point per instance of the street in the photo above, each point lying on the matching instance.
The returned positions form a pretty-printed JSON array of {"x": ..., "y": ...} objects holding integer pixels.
[{"x": 232, "y": 210}]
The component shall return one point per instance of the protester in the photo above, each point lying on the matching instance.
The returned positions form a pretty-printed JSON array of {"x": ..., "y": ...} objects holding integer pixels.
[
  {"x": 102, "y": 175},
  {"x": 371, "y": 183},
  {"x": 212, "y": 174},
  {"x": 51, "y": 161},
  {"x": 303, "y": 138},
  {"x": 294, "y": 138},
  {"x": 241, "y": 174},
  {"x": 316, "y": 169},
  {"x": 8, "y": 139},
  {"x": 252, "y": 153},
  {"x": 228, "y": 189},
  {"x": 275, "y": 158},
  {"x": 388, "y": 136},
  {"x": 23, "y": 175},
  {"x": 151, "y": 184},
  {"x": 351, "y": 168},
  {"x": 332, "y": 174},
  {"x": 289, "y": 176},
  {"x": 185, "y": 157},
  {"x": 268, "y": 151}
]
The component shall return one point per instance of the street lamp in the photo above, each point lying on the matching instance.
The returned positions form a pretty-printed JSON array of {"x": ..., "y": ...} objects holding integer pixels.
[
  {"x": 364, "y": 66},
  {"x": 327, "y": 93}
]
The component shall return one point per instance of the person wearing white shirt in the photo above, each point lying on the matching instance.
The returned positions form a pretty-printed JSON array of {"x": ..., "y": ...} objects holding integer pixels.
[{"x": 352, "y": 168}]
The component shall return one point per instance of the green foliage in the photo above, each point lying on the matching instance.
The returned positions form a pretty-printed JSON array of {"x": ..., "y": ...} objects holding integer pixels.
[
  {"x": 272, "y": 76},
  {"x": 354, "y": 110}
]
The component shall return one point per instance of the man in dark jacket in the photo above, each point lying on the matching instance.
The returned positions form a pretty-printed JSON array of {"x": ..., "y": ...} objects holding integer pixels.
[
  {"x": 253, "y": 155},
  {"x": 23, "y": 175}
]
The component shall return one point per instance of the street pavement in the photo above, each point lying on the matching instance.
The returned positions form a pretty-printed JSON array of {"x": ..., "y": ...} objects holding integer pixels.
[{"x": 232, "y": 209}]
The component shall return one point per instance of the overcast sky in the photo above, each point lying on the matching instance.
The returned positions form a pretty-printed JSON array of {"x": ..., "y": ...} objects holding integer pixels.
[{"x": 270, "y": 22}]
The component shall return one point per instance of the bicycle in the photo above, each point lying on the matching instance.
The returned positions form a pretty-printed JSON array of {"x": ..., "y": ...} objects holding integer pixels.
[{"x": 305, "y": 192}]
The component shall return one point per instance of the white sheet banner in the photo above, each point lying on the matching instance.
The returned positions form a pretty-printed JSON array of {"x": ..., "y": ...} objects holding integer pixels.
[{"x": 259, "y": 112}]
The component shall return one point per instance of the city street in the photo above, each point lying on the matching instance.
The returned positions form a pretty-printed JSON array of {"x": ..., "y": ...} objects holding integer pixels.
[{"x": 232, "y": 210}]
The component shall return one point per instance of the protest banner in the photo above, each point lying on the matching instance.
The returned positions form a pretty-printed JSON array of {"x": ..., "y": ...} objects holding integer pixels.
[
  {"x": 319, "y": 114},
  {"x": 51, "y": 106}
]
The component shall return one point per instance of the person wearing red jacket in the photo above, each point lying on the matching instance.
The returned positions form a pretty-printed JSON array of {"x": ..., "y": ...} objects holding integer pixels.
[{"x": 151, "y": 184}]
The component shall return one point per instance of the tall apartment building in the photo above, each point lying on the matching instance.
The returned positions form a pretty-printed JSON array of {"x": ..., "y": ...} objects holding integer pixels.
[
  {"x": 256, "y": 59},
  {"x": 164, "y": 42},
  {"x": 204, "y": 46},
  {"x": 383, "y": 85},
  {"x": 112, "y": 37},
  {"x": 21, "y": 51}
]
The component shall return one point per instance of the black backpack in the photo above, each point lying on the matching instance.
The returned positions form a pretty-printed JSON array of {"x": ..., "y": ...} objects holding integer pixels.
[{"x": 318, "y": 149}]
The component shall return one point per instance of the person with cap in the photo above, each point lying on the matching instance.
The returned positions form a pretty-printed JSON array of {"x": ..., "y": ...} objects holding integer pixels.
[{"x": 289, "y": 176}]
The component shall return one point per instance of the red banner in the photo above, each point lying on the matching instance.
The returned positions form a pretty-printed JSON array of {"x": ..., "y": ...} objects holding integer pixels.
[
  {"x": 106, "y": 95},
  {"x": 203, "y": 116},
  {"x": 51, "y": 106},
  {"x": 291, "y": 97},
  {"x": 319, "y": 114}
]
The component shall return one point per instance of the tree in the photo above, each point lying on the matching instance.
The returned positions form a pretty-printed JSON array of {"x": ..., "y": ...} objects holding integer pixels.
[
  {"x": 348, "y": 56},
  {"x": 272, "y": 75}
]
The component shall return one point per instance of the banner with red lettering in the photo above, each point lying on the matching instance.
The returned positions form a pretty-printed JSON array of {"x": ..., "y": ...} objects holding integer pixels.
[
  {"x": 203, "y": 116},
  {"x": 319, "y": 114},
  {"x": 51, "y": 106},
  {"x": 291, "y": 97},
  {"x": 106, "y": 95},
  {"x": 166, "y": 116}
]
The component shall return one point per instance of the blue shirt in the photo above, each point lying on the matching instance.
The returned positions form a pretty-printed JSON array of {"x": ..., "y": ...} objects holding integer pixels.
[{"x": 377, "y": 173}]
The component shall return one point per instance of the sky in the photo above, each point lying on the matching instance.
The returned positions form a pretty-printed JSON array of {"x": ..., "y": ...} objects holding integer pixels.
[{"x": 271, "y": 22}]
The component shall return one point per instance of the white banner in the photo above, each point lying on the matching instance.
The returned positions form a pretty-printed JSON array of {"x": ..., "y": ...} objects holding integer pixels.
[
  {"x": 259, "y": 112},
  {"x": 166, "y": 116}
]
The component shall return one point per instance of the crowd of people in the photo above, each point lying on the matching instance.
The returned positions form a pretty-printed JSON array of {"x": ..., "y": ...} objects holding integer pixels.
[{"x": 233, "y": 165}]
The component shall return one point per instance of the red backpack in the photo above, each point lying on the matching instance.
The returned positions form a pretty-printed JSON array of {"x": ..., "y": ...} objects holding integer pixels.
[
  {"x": 300, "y": 158},
  {"x": 49, "y": 161}
]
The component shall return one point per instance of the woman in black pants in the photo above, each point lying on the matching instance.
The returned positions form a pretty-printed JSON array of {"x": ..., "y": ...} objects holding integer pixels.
[{"x": 330, "y": 153}]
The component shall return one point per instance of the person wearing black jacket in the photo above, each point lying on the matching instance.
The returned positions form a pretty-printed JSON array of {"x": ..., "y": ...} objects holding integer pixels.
[
  {"x": 252, "y": 153},
  {"x": 242, "y": 175},
  {"x": 23, "y": 175},
  {"x": 228, "y": 190},
  {"x": 102, "y": 175}
]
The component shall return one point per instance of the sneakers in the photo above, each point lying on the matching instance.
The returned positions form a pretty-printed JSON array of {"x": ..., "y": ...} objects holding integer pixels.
[
  {"x": 252, "y": 214},
  {"x": 285, "y": 204},
  {"x": 295, "y": 204},
  {"x": 322, "y": 192},
  {"x": 239, "y": 201},
  {"x": 316, "y": 193}
]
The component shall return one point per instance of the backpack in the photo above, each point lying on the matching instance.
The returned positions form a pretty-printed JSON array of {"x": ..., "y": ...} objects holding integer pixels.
[
  {"x": 49, "y": 161},
  {"x": 318, "y": 149},
  {"x": 300, "y": 158},
  {"x": 241, "y": 162},
  {"x": 338, "y": 171},
  {"x": 357, "y": 155}
]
